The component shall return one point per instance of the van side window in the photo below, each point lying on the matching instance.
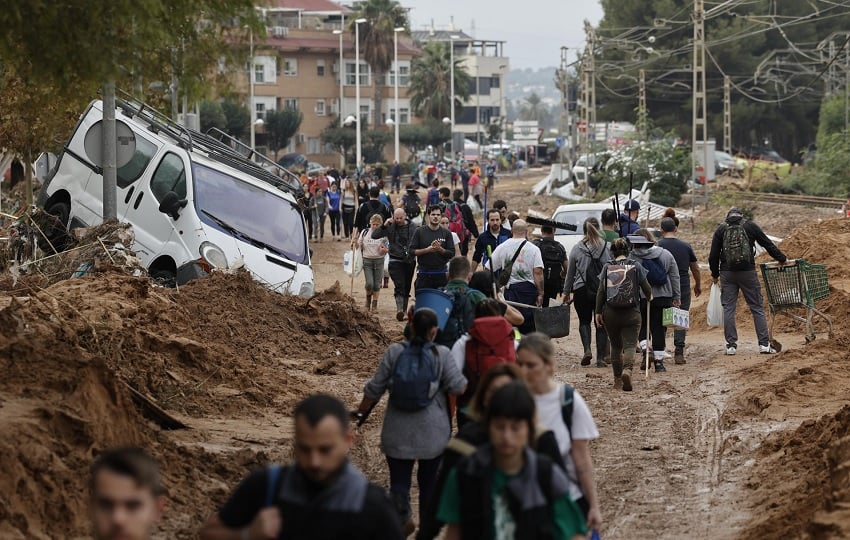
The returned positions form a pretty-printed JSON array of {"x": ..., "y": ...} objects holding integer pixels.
[
  {"x": 131, "y": 172},
  {"x": 170, "y": 175}
]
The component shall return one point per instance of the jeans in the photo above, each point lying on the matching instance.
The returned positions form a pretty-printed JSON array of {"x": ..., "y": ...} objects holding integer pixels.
[
  {"x": 747, "y": 282},
  {"x": 401, "y": 478},
  {"x": 656, "y": 329},
  {"x": 523, "y": 293},
  {"x": 679, "y": 335},
  {"x": 334, "y": 215},
  {"x": 308, "y": 219},
  {"x": 431, "y": 281},
  {"x": 373, "y": 269},
  {"x": 622, "y": 326},
  {"x": 348, "y": 220},
  {"x": 401, "y": 272},
  {"x": 585, "y": 305},
  {"x": 395, "y": 186},
  {"x": 319, "y": 221}
]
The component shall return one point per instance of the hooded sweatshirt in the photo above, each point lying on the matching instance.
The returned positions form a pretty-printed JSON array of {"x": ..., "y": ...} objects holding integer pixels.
[
  {"x": 716, "y": 260},
  {"x": 580, "y": 260},
  {"x": 671, "y": 289}
]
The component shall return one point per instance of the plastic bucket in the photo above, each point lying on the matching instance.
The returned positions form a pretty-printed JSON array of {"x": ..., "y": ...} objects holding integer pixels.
[
  {"x": 553, "y": 321},
  {"x": 439, "y": 301}
]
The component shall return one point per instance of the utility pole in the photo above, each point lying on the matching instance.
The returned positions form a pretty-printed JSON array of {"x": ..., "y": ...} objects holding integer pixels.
[
  {"x": 727, "y": 115},
  {"x": 642, "y": 112},
  {"x": 564, "y": 128},
  {"x": 699, "y": 132},
  {"x": 830, "y": 81},
  {"x": 589, "y": 93}
]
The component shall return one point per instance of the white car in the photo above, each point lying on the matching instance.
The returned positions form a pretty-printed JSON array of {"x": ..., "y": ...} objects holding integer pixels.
[
  {"x": 576, "y": 214},
  {"x": 194, "y": 201},
  {"x": 582, "y": 164}
]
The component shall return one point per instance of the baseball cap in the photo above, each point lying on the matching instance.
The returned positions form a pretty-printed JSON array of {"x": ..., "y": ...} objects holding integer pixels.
[
  {"x": 668, "y": 225},
  {"x": 734, "y": 212},
  {"x": 632, "y": 205}
]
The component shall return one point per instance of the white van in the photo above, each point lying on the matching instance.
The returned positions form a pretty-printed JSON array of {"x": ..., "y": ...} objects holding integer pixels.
[
  {"x": 576, "y": 214},
  {"x": 196, "y": 202}
]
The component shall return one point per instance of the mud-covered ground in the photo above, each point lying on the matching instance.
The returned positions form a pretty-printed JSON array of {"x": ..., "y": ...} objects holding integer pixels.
[{"x": 748, "y": 446}]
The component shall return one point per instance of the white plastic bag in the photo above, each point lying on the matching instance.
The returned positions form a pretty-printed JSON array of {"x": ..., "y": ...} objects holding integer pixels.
[
  {"x": 473, "y": 204},
  {"x": 715, "y": 308},
  {"x": 352, "y": 259}
]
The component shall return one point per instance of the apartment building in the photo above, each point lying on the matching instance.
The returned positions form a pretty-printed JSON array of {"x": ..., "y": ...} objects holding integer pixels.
[{"x": 298, "y": 65}]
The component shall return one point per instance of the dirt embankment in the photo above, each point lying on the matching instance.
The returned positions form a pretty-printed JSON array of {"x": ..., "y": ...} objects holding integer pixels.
[{"x": 224, "y": 345}]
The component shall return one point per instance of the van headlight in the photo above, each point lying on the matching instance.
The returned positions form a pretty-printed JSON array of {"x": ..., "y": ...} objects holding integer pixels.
[{"x": 213, "y": 255}]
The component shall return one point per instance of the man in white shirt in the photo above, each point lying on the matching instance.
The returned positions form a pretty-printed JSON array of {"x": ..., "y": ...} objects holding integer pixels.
[{"x": 525, "y": 285}]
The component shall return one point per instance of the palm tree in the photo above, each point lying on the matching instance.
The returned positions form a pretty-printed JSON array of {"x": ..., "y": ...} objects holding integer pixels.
[
  {"x": 376, "y": 40},
  {"x": 534, "y": 109},
  {"x": 430, "y": 82}
]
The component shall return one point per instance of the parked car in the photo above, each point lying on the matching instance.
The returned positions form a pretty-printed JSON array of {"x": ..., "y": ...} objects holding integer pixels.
[
  {"x": 194, "y": 201},
  {"x": 576, "y": 214},
  {"x": 726, "y": 164},
  {"x": 582, "y": 164}
]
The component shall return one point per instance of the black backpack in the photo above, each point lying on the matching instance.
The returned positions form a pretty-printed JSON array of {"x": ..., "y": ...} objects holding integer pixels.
[
  {"x": 591, "y": 276},
  {"x": 411, "y": 206},
  {"x": 460, "y": 319},
  {"x": 737, "y": 249},
  {"x": 554, "y": 255}
]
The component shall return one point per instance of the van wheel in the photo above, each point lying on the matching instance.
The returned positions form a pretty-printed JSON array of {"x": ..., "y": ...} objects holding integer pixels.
[
  {"x": 164, "y": 277},
  {"x": 56, "y": 229}
]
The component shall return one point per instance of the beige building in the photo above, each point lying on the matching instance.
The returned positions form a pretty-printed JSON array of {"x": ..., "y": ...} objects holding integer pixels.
[{"x": 298, "y": 65}]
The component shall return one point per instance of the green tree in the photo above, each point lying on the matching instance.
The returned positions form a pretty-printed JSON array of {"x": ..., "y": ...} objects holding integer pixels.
[
  {"x": 533, "y": 109},
  {"x": 341, "y": 138},
  {"x": 419, "y": 136},
  {"x": 377, "y": 40},
  {"x": 667, "y": 170},
  {"x": 430, "y": 82},
  {"x": 280, "y": 126},
  {"x": 212, "y": 116},
  {"x": 238, "y": 118}
]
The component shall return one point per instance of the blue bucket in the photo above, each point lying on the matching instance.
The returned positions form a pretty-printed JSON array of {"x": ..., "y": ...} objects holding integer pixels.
[{"x": 439, "y": 301}]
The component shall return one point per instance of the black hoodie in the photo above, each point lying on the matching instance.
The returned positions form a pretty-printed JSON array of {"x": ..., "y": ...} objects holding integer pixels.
[{"x": 716, "y": 260}]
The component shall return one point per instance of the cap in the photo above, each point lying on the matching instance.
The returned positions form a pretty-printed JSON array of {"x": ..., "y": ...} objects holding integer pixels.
[
  {"x": 631, "y": 205},
  {"x": 734, "y": 212},
  {"x": 638, "y": 240},
  {"x": 668, "y": 225}
]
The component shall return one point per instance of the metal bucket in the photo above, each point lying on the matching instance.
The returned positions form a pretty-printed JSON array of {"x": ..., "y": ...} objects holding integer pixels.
[{"x": 553, "y": 321}]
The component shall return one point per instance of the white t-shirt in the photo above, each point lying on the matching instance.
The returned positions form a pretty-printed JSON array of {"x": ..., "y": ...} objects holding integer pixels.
[
  {"x": 459, "y": 351},
  {"x": 529, "y": 259},
  {"x": 583, "y": 428}
]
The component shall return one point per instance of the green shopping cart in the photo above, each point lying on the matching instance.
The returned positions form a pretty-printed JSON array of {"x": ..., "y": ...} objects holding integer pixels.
[{"x": 794, "y": 286}]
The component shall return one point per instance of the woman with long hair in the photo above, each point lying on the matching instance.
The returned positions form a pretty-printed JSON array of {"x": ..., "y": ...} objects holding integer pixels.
[
  {"x": 580, "y": 287},
  {"x": 349, "y": 202},
  {"x": 374, "y": 250}
]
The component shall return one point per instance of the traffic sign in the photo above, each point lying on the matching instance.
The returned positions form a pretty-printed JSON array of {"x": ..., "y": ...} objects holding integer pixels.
[{"x": 559, "y": 142}]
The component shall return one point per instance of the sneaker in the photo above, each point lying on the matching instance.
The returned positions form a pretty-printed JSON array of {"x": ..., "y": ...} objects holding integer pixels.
[
  {"x": 627, "y": 380},
  {"x": 399, "y": 316},
  {"x": 731, "y": 350},
  {"x": 585, "y": 360},
  {"x": 766, "y": 349},
  {"x": 659, "y": 367},
  {"x": 601, "y": 363}
]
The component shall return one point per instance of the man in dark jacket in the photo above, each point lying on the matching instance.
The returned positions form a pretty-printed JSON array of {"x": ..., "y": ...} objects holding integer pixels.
[
  {"x": 395, "y": 176},
  {"x": 399, "y": 230},
  {"x": 741, "y": 276},
  {"x": 490, "y": 238},
  {"x": 372, "y": 206},
  {"x": 433, "y": 247},
  {"x": 629, "y": 218}
]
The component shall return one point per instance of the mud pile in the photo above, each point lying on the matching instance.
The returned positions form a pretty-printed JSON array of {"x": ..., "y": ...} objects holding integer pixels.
[{"x": 89, "y": 362}]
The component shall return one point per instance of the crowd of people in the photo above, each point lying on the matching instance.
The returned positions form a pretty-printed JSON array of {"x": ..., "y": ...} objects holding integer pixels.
[{"x": 500, "y": 449}]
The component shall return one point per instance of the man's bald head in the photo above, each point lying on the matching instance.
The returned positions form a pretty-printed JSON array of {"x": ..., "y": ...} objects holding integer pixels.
[
  {"x": 519, "y": 228},
  {"x": 399, "y": 217}
]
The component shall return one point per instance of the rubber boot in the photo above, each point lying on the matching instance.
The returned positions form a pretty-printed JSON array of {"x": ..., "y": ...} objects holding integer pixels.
[
  {"x": 399, "y": 308},
  {"x": 584, "y": 333},
  {"x": 368, "y": 300},
  {"x": 375, "y": 301},
  {"x": 601, "y": 347}
]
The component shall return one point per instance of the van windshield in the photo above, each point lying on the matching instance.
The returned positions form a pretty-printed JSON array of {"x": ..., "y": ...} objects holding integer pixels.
[
  {"x": 250, "y": 213},
  {"x": 574, "y": 217}
]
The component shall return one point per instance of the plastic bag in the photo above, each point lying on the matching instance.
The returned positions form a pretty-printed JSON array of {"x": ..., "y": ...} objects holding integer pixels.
[
  {"x": 352, "y": 260},
  {"x": 715, "y": 308},
  {"x": 472, "y": 202}
]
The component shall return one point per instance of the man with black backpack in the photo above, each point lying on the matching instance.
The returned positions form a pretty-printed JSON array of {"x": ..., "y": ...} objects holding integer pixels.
[
  {"x": 399, "y": 230},
  {"x": 554, "y": 263},
  {"x": 732, "y": 261},
  {"x": 321, "y": 496},
  {"x": 464, "y": 300},
  {"x": 368, "y": 208}
]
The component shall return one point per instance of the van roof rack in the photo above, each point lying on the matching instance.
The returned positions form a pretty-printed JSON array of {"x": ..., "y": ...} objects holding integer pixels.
[{"x": 157, "y": 121}]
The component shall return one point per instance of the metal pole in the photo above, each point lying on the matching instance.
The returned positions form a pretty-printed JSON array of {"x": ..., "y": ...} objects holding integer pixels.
[
  {"x": 251, "y": 105},
  {"x": 357, "y": 90},
  {"x": 341, "y": 74},
  {"x": 642, "y": 119},
  {"x": 727, "y": 115},
  {"x": 110, "y": 170},
  {"x": 174, "y": 85},
  {"x": 846, "y": 90},
  {"x": 477, "y": 111},
  {"x": 452, "y": 99},
  {"x": 699, "y": 107},
  {"x": 397, "y": 115}
]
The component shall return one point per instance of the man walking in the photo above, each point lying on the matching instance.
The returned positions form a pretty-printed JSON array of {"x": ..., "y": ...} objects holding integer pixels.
[
  {"x": 372, "y": 206},
  {"x": 685, "y": 259},
  {"x": 433, "y": 247},
  {"x": 399, "y": 230},
  {"x": 732, "y": 261},
  {"x": 491, "y": 238},
  {"x": 525, "y": 284},
  {"x": 554, "y": 263},
  {"x": 395, "y": 176},
  {"x": 609, "y": 225},
  {"x": 468, "y": 220},
  {"x": 629, "y": 218},
  {"x": 321, "y": 496}
]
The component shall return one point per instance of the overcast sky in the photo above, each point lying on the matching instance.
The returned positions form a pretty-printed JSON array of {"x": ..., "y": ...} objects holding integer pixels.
[{"x": 534, "y": 30}]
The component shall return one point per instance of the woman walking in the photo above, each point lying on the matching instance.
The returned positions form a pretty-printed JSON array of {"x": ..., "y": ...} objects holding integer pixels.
[
  {"x": 349, "y": 200},
  {"x": 662, "y": 273},
  {"x": 536, "y": 358},
  {"x": 374, "y": 250},
  {"x": 416, "y": 423},
  {"x": 585, "y": 262},
  {"x": 618, "y": 309},
  {"x": 334, "y": 200}
]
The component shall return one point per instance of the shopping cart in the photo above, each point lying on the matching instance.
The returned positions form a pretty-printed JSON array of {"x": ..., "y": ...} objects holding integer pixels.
[{"x": 795, "y": 285}]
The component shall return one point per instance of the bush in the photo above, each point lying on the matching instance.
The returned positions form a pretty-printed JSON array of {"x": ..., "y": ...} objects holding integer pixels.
[{"x": 666, "y": 168}]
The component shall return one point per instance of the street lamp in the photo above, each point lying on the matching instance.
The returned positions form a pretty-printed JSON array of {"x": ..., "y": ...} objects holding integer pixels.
[
  {"x": 341, "y": 74},
  {"x": 397, "y": 116},
  {"x": 452, "y": 39},
  {"x": 357, "y": 23}
]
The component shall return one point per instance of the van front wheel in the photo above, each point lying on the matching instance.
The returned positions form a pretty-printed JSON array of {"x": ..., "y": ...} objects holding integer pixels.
[{"x": 56, "y": 230}]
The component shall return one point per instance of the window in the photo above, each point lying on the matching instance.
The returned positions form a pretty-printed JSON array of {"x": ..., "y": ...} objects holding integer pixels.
[
  {"x": 320, "y": 108},
  {"x": 259, "y": 73},
  {"x": 314, "y": 145},
  {"x": 290, "y": 67},
  {"x": 350, "y": 73},
  {"x": 403, "y": 116},
  {"x": 259, "y": 110},
  {"x": 364, "y": 116},
  {"x": 495, "y": 81},
  {"x": 290, "y": 103},
  {"x": 169, "y": 176},
  {"x": 320, "y": 68},
  {"x": 403, "y": 74},
  {"x": 131, "y": 172}
]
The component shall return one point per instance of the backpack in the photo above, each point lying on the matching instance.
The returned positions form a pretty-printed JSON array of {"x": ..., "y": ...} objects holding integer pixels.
[
  {"x": 433, "y": 196},
  {"x": 415, "y": 379},
  {"x": 481, "y": 355},
  {"x": 737, "y": 250},
  {"x": 591, "y": 275},
  {"x": 460, "y": 319},
  {"x": 411, "y": 206},
  {"x": 554, "y": 255},
  {"x": 656, "y": 274},
  {"x": 621, "y": 284},
  {"x": 456, "y": 223}
]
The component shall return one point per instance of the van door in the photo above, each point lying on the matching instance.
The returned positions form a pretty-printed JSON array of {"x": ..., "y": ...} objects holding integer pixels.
[
  {"x": 133, "y": 176},
  {"x": 153, "y": 229}
]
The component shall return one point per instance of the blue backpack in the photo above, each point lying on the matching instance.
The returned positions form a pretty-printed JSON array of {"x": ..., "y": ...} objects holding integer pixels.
[
  {"x": 656, "y": 274},
  {"x": 415, "y": 379}
]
